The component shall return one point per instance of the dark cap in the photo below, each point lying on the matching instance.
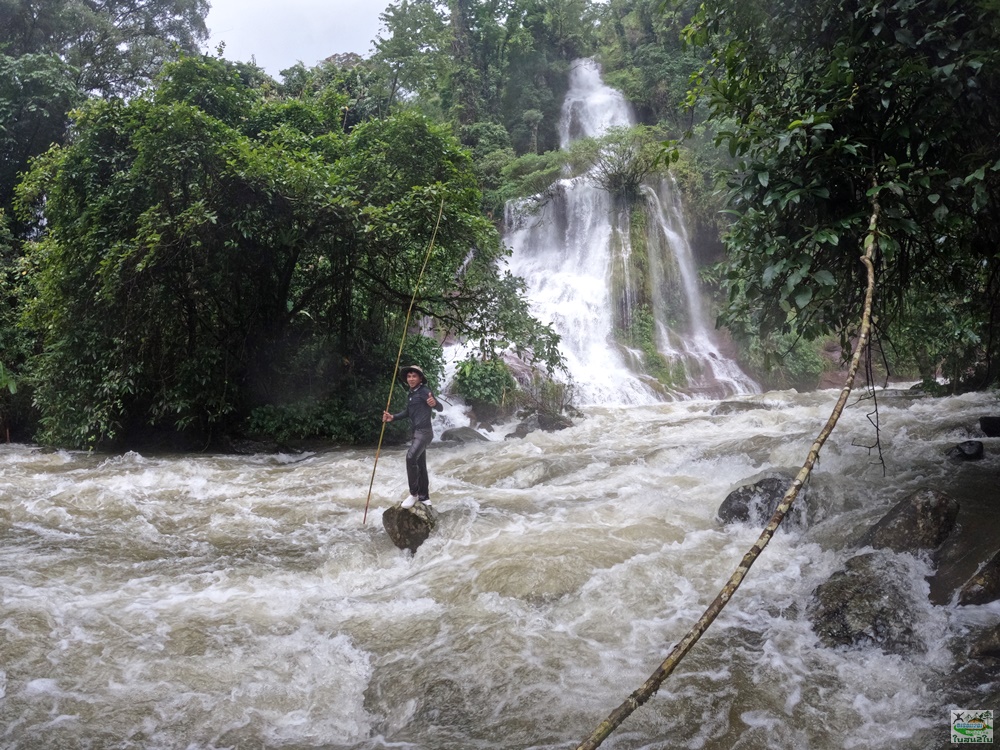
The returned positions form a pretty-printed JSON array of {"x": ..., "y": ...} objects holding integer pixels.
[{"x": 413, "y": 368}]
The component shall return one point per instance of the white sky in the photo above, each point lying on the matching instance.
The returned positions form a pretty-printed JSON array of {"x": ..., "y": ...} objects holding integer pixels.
[{"x": 280, "y": 33}]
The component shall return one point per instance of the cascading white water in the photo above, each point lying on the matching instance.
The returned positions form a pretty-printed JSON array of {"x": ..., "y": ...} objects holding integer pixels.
[
  {"x": 156, "y": 602},
  {"x": 591, "y": 108},
  {"x": 562, "y": 253},
  {"x": 721, "y": 375},
  {"x": 563, "y": 246}
]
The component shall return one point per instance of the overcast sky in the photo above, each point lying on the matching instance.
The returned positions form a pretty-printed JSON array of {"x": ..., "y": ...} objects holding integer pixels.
[{"x": 280, "y": 33}]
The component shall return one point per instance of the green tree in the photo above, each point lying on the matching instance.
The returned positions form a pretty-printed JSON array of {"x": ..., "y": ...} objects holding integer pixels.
[
  {"x": 842, "y": 101},
  {"x": 645, "y": 57},
  {"x": 533, "y": 118},
  {"x": 114, "y": 47},
  {"x": 15, "y": 407},
  {"x": 473, "y": 61},
  {"x": 53, "y": 53},
  {"x": 212, "y": 251},
  {"x": 416, "y": 51},
  {"x": 36, "y": 93},
  {"x": 626, "y": 157}
]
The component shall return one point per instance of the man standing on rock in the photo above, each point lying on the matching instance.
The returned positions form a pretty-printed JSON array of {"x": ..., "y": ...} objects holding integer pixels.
[{"x": 419, "y": 403}]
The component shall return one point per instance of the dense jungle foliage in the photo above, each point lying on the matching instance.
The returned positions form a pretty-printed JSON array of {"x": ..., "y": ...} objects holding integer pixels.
[{"x": 190, "y": 247}]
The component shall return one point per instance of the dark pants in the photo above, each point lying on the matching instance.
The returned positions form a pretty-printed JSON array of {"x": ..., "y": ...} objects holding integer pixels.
[{"x": 416, "y": 463}]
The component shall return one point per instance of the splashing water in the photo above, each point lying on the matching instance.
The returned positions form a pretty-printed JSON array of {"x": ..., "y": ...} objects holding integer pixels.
[
  {"x": 163, "y": 602},
  {"x": 566, "y": 244}
]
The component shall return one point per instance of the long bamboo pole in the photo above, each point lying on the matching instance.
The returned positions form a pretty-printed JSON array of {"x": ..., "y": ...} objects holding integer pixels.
[
  {"x": 649, "y": 688},
  {"x": 399, "y": 354}
]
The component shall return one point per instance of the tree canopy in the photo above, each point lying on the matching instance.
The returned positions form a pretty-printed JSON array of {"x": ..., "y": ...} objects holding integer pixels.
[
  {"x": 211, "y": 251},
  {"x": 205, "y": 247},
  {"x": 53, "y": 53},
  {"x": 842, "y": 102}
]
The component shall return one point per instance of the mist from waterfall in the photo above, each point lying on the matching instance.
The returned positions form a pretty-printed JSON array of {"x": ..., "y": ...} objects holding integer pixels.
[{"x": 569, "y": 242}]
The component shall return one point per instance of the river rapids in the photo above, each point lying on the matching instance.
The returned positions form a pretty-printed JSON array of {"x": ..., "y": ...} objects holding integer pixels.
[{"x": 215, "y": 601}]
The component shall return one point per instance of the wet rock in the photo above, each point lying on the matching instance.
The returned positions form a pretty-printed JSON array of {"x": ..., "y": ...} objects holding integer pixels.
[
  {"x": 247, "y": 447},
  {"x": 990, "y": 426},
  {"x": 969, "y": 450},
  {"x": 463, "y": 435},
  {"x": 869, "y": 602},
  {"x": 921, "y": 522},
  {"x": 540, "y": 421},
  {"x": 526, "y": 427},
  {"x": 409, "y": 527},
  {"x": 987, "y": 645},
  {"x": 737, "y": 407},
  {"x": 984, "y": 586},
  {"x": 755, "y": 503},
  {"x": 553, "y": 422}
]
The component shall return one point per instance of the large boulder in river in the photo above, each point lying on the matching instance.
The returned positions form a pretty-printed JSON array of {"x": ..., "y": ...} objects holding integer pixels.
[
  {"x": 969, "y": 450},
  {"x": 463, "y": 435},
  {"x": 871, "y": 601},
  {"x": 990, "y": 426},
  {"x": 554, "y": 422},
  {"x": 756, "y": 502},
  {"x": 738, "y": 407},
  {"x": 984, "y": 586},
  {"x": 921, "y": 522},
  {"x": 987, "y": 645},
  {"x": 409, "y": 527},
  {"x": 540, "y": 421}
]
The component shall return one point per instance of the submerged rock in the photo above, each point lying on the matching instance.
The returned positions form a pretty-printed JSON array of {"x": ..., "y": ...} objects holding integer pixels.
[
  {"x": 990, "y": 426},
  {"x": 869, "y": 602},
  {"x": 755, "y": 503},
  {"x": 554, "y": 422},
  {"x": 463, "y": 435},
  {"x": 738, "y": 407},
  {"x": 524, "y": 428},
  {"x": 969, "y": 450},
  {"x": 409, "y": 527},
  {"x": 921, "y": 522},
  {"x": 987, "y": 645},
  {"x": 984, "y": 586},
  {"x": 540, "y": 421}
]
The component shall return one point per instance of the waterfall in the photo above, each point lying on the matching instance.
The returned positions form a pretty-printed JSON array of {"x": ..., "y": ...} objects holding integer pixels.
[{"x": 631, "y": 320}]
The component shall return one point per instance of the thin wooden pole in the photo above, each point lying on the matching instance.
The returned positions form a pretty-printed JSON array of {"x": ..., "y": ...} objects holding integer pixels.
[
  {"x": 649, "y": 688},
  {"x": 399, "y": 354}
]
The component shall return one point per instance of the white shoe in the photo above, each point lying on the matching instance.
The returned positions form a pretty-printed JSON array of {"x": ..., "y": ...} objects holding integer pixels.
[
  {"x": 409, "y": 502},
  {"x": 426, "y": 501}
]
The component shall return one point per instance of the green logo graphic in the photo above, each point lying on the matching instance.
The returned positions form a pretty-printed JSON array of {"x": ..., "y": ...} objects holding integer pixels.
[{"x": 971, "y": 727}]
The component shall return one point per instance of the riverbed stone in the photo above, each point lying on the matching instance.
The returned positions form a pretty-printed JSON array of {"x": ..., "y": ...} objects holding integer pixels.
[
  {"x": 755, "y": 502},
  {"x": 921, "y": 522},
  {"x": 409, "y": 527},
  {"x": 545, "y": 421},
  {"x": 987, "y": 645},
  {"x": 738, "y": 407},
  {"x": 984, "y": 586},
  {"x": 968, "y": 450},
  {"x": 869, "y": 602},
  {"x": 463, "y": 435},
  {"x": 553, "y": 422},
  {"x": 524, "y": 428},
  {"x": 990, "y": 426}
]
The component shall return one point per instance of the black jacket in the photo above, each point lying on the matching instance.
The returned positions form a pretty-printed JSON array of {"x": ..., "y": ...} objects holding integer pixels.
[{"x": 417, "y": 410}]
